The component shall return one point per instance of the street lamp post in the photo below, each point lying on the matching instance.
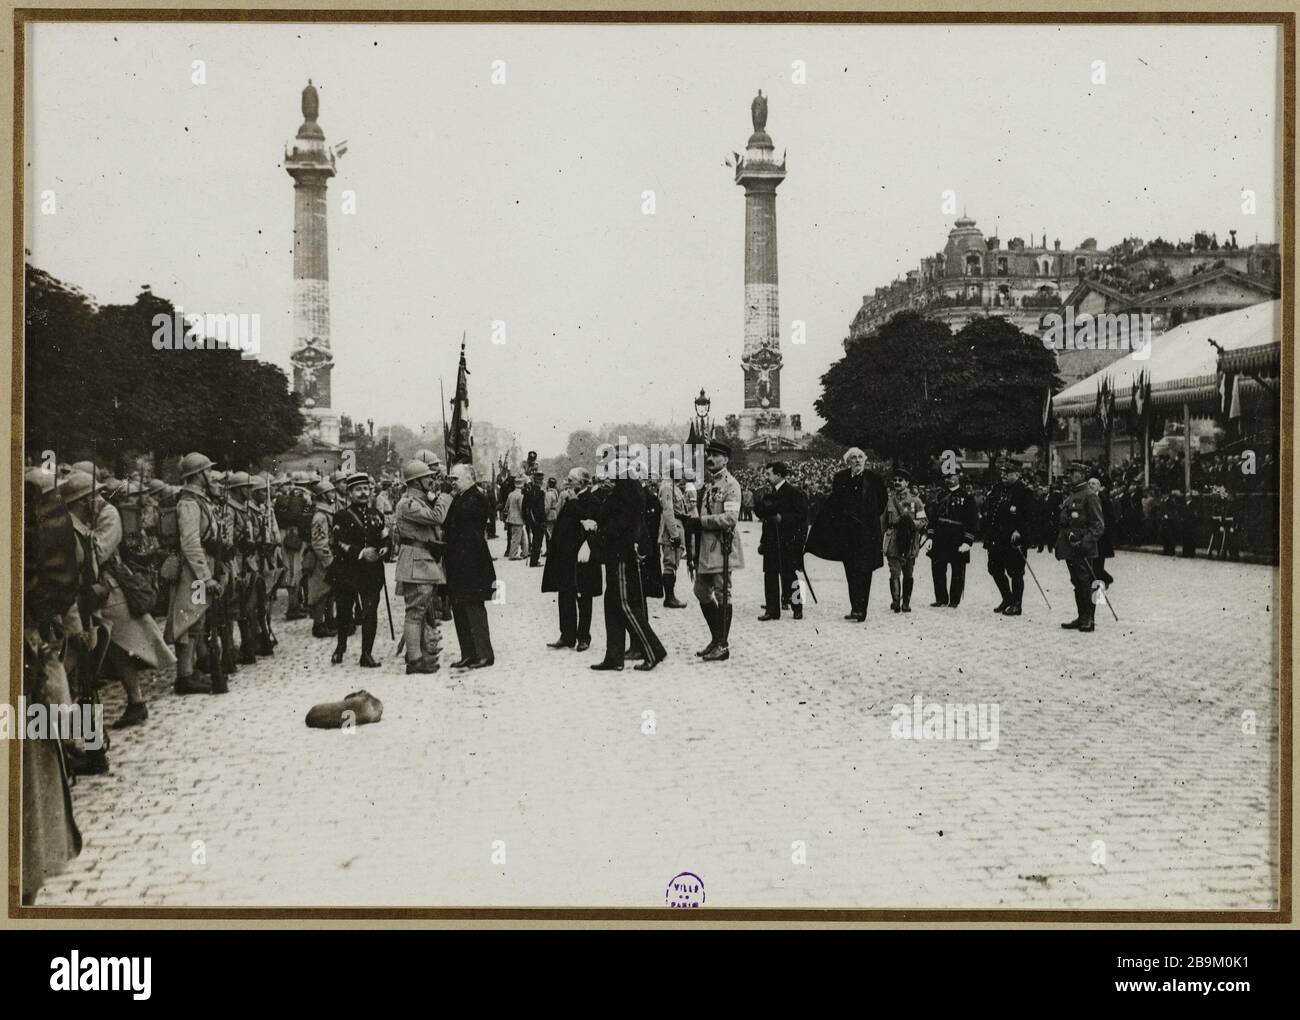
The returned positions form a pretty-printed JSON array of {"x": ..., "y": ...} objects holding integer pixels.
[{"x": 702, "y": 406}]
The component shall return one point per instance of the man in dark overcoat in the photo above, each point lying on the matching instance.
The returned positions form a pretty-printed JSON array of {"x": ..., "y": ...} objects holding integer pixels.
[
  {"x": 850, "y": 528},
  {"x": 574, "y": 583},
  {"x": 783, "y": 509}
]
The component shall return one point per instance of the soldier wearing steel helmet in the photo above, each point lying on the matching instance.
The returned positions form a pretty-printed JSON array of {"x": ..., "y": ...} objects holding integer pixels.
[
  {"x": 319, "y": 557},
  {"x": 418, "y": 519},
  {"x": 196, "y": 582},
  {"x": 268, "y": 562}
]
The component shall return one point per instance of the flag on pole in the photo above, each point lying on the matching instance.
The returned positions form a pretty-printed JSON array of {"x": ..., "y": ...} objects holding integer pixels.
[
  {"x": 1235, "y": 410},
  {"x": 460, "y": 442}
]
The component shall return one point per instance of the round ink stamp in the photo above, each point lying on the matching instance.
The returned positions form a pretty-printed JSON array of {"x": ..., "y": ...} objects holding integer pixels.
[{"x": 685, "y": 890}]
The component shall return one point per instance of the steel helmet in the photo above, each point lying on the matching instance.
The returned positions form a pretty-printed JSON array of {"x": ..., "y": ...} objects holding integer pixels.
[
  {"x": 415, "y": 469},
  {"x": 78, "y": 485},
  {"x": 323, "y": 488},
  {"x": 193, "y": 463},
  {"x": 237, "y": 480}
]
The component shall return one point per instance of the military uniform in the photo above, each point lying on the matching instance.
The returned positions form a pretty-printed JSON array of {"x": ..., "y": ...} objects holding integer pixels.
[
  {"x": 1009, "y": 511},
  {"x": 620, "y": 531},
  {"x": 357, "y": 528},
  {"x": 1080, "y": 524},
  {"x": 671, "y": 538},
  {"x": 317, "y": 559},
  {"x": 720, "y": 553},
  {"x": 952, "y": 525},
  {"x": 195, "y": 562},
  {"x": 417, "y": 530},
  {"x": 904, "y": 519}
]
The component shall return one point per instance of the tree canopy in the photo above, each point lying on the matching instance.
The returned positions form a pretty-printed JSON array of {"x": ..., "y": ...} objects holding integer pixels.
[
  {"x": 915, "y": 388},
  {"x": 95, "y": 385}
]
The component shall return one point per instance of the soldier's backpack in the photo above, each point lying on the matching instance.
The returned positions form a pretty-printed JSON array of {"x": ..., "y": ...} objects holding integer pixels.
[
  {"x": 51, "y": 578},
  {"x": 293, "y": 510}
]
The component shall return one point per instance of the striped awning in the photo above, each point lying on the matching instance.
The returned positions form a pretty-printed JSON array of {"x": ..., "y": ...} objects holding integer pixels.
[{"x": 1183, "y": 366}]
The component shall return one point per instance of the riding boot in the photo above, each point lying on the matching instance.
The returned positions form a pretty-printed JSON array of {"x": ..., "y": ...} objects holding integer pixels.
[
  {"x": 711, "y": 613},
  {"x": 247, "y": 642},
  {"x": 670, "y": 596},
  {"x": 907, "y": 595},
  {"x": 895, "y": 596}
]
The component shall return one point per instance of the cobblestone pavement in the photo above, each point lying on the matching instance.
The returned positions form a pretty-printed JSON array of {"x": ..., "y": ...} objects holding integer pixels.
[{"x": 1125, "y": 772}]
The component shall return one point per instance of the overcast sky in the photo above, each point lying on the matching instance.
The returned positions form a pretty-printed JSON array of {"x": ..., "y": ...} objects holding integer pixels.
[{"x": 522, "y": 202}]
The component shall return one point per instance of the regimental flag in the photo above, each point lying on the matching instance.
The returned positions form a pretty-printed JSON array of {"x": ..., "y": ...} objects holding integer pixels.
[
  {"x": 1234, "y": 409},
  {"x": 1105, "y": 409},
  {"x": 459, "y": 441},
  {"x": 1140, "y": 392}
]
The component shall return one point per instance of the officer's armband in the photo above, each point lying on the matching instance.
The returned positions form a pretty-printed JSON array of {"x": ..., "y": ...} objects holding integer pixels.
[{"x": 731, "y": 506}]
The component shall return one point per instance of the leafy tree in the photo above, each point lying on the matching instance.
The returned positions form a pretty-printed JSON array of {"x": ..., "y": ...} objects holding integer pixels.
[
  {"x": 96, "y": 385},
  {"x": 1001, "y": 381},
  {"x": 888, "y": 392},
  {"x": 914, "y": 388}
]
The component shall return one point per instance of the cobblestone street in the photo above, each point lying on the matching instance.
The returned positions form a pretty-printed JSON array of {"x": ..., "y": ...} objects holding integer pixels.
[{"x": 1123, "y": 773}]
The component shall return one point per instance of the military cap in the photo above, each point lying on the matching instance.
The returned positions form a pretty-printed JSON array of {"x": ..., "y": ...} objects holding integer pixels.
[
  {"x": 193, "y": 463},
  {"x": 323, "y": 487},
  {"x": 78, "y": 485},
  {"x": 1078, "y": 465},
  {"x": 718, "y": 446},
  {"x": 238, "y": 480},
  {"x": 356, "y": 478},
  {"x": 415, "y": 469},
  {"x": 1011, "y": 464}
]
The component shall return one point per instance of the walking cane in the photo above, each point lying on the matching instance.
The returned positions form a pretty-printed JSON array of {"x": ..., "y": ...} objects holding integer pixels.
[
  {"x": 389, "y": 610},
  {"x": 1025, "y": 560},
  {"x": 725, "y": 539},
  {"x": 1088, "y": 563}
]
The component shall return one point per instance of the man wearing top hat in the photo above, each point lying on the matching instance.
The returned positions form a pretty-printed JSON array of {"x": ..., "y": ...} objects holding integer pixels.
[
  {"x": 1009, "y": 513},
  {"x": 1080, "y": 524},
  {"x": 720, "y": 551}
]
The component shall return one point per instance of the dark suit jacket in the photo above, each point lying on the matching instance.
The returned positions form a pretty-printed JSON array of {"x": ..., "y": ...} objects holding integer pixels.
[
  {"x": 470, "y": 574},
  {"x": 782, "y": 542},
  {"x": 849, "y": 527},
  {"x": 563, "y": 572}
]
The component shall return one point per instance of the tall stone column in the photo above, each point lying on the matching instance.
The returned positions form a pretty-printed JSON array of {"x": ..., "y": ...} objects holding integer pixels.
[
  {"x": 311, "y": 164},
  {"x": 760, "y": 175}
]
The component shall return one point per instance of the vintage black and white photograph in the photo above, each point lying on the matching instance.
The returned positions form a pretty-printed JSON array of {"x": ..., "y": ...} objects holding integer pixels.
[{"x": 650, "y": 466}]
